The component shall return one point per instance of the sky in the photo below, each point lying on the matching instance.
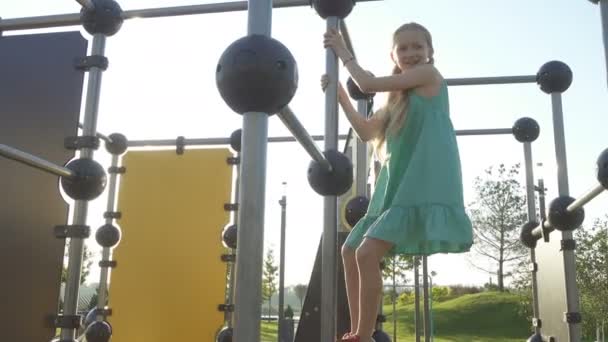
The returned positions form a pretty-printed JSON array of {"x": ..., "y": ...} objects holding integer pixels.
[{"x": 161, "y": 84}]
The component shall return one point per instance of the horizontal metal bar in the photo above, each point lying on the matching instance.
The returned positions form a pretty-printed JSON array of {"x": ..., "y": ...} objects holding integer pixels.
[
  {"x": 213, "y": 141},
  {"x": 591, "y": 194},
  {"x": 484, "y": 131},
  {"x": 73, "y": 19},
  {"x": 491, "y": 80},
  {"x": 299, "y": 132},
  {"x": 226, "y": 141},
  {"x": 34, "y": 161}
]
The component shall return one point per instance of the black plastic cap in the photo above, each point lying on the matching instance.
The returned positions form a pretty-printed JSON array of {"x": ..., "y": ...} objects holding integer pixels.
[
  {"x": 526, "y": 130},
  {"x": 355, "y": 209},
  {"x": 602, "y": 169},
  {"x": 91, "y": 316},
  {"x": 381, "y": 336},
  {"x": 235, "y": 140},
  {"x": 118, "y": 145},
  {"x": 336, "y": 182},
  {"x": 229, "y": 236},
  {"x": 225, "y": 335},
  {"x": 333, "y": 8},
  {"x": 108, "y": 235},
  {"x": 554, "y": 77},
  {"x": 355, "y": 92},
  {"x": 105, "y": 18},
  {"x": 89, "y": 182},
  {"x": 560, "y": 218},
  {"x": 98, "y": 332},
  {"x": 526, "y": 237},
  {"x": 257, "y": 73},
  {"x": 535, "y": 338}
]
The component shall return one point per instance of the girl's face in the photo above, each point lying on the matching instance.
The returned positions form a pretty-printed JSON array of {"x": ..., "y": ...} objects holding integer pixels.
[{"x": 410, "y": 49}]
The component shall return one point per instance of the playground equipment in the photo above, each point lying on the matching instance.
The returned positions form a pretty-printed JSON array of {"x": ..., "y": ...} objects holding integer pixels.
[{"x": 331, "y": 173}]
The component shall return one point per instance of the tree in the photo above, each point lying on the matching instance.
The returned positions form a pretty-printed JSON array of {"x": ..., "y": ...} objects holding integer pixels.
[
  {"x": 397, "y": 266},
  {"x": 269, "y": 281},
  {"x": 300, "y": 291},
  {"x": 497, "y": 215},
  {"x": 86, "y": 265},
  {"x": 592, "y": 274}
]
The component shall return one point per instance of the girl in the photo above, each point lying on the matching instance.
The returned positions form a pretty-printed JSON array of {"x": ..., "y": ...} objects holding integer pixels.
[{"x": 417, "y": 207}]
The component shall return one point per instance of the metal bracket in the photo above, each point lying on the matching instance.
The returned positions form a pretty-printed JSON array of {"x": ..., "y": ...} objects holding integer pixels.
[
  {"x": 80, "y": 142},
  {"x": 68, "y": 322},
  {"x": 228, "y": 257},
  {"x": 180, "y": 144},
  {"x": 112, "y": 215},
  {"x": 226, "y": 307},
  {"x": 73, "y": 231},
  {"x": 573, "y": 317},
  {"x": 108, "y": 263},
  {"x": 88, "y": 62},
  {"x": 117, "y": 170},
  {"x": 568, "y": 245},
  {"x": 231, "y": 206},
  {"x": 233, "y": 160}
]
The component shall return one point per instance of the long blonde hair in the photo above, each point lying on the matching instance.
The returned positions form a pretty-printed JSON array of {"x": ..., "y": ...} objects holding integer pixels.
[{"x": 393, "y": 113}]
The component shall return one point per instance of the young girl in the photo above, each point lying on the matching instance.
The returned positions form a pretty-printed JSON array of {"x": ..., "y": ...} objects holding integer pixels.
[{"x": 417, "y": 207}]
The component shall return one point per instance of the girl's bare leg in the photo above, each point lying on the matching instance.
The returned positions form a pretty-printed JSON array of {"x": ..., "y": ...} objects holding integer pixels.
[{"x": 368, "y": 257}]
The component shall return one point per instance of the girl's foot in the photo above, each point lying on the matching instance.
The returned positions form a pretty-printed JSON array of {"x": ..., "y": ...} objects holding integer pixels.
[
  {"x": 353, "y": 338},
  {"x": 346, "y": 337}
]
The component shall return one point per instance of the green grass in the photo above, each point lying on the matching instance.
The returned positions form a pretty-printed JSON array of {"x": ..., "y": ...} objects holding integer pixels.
[{"x": 482, "y": 317}]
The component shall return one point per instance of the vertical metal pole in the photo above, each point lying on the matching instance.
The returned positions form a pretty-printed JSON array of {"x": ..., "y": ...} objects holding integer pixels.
[
  {"x": 427, "y": 311},
  {"x": 531, "y": 201},
  {"x": 394, "y": 300},
  {"x": 249, "y": 255},
  {"x": 106, "y": 252},
  {"x": 329, "y": 250},
  {"x": 76, "y": 249},
  {"x": 417, "y": 314},
  {"x": 281, "y": 333},
  {"x": 604, "y": 15},
  {"x": 572, "y": 300},
  {"x": 361, "y": 155},
  {"x": 232, "y": 267}
]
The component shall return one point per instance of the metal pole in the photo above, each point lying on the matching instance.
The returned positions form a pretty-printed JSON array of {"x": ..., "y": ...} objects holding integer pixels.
[
  {"x": 106, "y": 252},
  {"x": 591, "y": 194},
  {"x": 484, "y": 131},
  {"x": 417, "y": 297},
  {"x": 216, "y": 141},
  {"x": 604, "y": 16},
  {"x": 34, "y": 161},
  {"x": 425, "y": 289},
  {"x": 329, "y": 246},
  {"x": 572, "y": 299},
  {"x": 491, "y": 80},
  {"x": 76, "y": 249},
  {"x": 283, "y": 203},
  {"x": 530, "y": 199},
  {"x": 299, "y": 132},
  {"x": 360, "y": 154},
  {"x": 232, "y": 267},
  {"x": 394, "y": 300},
  {"x": 249, "y": 255},
  {"x": 73, "y": 19}
]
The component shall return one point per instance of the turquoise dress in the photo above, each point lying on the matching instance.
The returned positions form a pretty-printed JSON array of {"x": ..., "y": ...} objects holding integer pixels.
[{"x": 418, "y": 204}]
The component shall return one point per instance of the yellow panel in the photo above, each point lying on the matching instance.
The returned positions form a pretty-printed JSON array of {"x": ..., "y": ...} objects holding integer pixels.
[{"x": 170, "y": 278}]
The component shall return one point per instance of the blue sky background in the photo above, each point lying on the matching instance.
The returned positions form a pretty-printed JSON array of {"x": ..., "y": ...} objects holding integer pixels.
[{"x": 161, "y": 84}]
